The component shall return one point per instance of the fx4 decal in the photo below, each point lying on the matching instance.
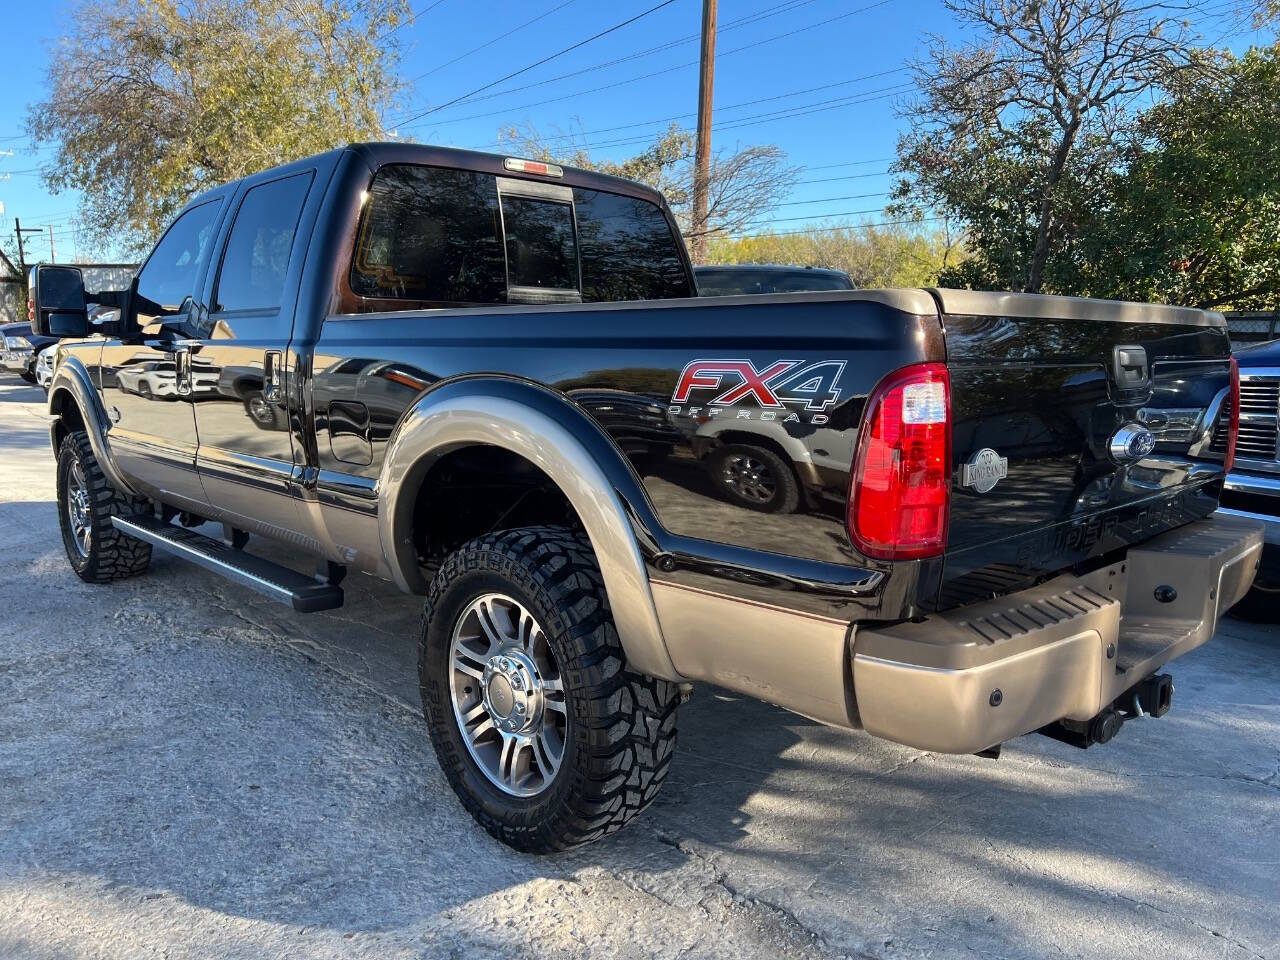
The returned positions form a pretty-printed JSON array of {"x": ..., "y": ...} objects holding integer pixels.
[{"x": 807, "y": 387}]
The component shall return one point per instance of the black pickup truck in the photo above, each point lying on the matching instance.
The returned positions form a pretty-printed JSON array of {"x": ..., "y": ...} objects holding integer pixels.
[{"x": 490, "y": 381}]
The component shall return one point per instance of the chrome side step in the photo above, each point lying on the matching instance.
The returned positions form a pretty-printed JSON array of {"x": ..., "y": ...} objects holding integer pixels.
[{"x": 305, "y": 594}]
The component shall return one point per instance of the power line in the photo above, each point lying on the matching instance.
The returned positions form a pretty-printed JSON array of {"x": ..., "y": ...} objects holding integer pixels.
[
  {"x": 799, "y": 110},
  {"x": 640, "y": 54},
  {"x": 546, "y": 59},
  {"x": 804, "y": 110},
  {"x": 489, "y": 43},
  {"x": 620, "y": 83},
  {"x": 851, "y": 163},
  {"x": 730, "y": 106},
  {"x": 851, "y": 176},
  {"x": 567, "y": 96},
  {"x": 827, "y": 216},
  {"x": 412, "y": 19},
  {"x": 852, "y": 196},
  {"x": 762, "y": 229}
]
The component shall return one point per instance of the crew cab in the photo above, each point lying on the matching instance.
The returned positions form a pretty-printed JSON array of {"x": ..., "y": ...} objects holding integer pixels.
[{"x": 486, "y": 380}]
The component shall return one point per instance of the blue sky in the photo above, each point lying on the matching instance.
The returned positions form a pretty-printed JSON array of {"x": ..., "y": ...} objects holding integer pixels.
[{"x": 819, "y": 78}]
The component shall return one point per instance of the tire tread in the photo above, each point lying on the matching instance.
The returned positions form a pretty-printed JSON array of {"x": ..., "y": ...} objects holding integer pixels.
[
  {"x": 114, "y": 556},
  {"x": 628, "y": 733}
]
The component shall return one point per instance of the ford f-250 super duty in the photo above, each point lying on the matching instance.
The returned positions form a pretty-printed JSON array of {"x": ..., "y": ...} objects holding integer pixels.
[{"x": 948, "y": 518}]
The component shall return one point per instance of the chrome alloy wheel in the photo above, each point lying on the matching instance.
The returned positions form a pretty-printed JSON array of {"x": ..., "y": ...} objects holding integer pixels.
[
  {"x": 79, "y": 512},
  {"x": 508, "y": 695},
  {"x": 749, "y": 478}
]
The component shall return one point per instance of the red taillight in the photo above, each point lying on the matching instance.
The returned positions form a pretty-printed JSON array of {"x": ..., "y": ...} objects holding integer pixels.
[
  {"x": 900, "y": 492},
  {"x": 31, "y": 310},
  {"x": 1233, "y": 429}
]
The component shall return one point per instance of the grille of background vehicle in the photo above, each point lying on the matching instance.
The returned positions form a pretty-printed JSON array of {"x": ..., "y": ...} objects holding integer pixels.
[{"x": 1259, "y": 419}]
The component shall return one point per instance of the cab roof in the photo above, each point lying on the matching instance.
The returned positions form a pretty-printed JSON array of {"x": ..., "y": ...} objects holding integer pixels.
[{"x": 380, "y": 154}]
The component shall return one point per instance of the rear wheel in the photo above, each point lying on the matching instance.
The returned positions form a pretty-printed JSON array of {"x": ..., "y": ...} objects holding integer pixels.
[
  {"x": 542, "y": 731},
  {"x": 98, "y": 552}
]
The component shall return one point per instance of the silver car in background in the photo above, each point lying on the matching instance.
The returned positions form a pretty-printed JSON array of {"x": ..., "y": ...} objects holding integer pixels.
[{"x": 44, "y": 366}]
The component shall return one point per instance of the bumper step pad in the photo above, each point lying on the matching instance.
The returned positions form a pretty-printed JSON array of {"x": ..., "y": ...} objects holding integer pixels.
[{"x": 305, "y": 594}]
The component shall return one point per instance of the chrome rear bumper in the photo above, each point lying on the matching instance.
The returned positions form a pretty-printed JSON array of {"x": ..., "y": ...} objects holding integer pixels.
[{"x": 966, "y": 680}]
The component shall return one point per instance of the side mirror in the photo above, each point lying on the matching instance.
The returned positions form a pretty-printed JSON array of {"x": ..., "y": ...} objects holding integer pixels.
[{"x": 57, "y": 306}]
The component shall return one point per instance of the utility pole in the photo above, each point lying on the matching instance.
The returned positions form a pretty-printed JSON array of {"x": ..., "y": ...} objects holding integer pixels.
[
  {"x": 702, "y": 156},
  {"x": 53, "y": 254},
  {"x": 20, "y": 230}
]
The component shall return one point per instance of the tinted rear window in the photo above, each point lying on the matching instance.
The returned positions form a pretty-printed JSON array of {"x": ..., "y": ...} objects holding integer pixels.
[
  {"x": 628, "y": 249},
  {"x": 541, "y": 250},
  {"x": 432, "y": 235},
  {"x": 439, "y": 236}
]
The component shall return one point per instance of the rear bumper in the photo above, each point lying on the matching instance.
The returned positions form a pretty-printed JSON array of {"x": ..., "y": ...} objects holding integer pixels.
[{"x": 972, "y": 678}]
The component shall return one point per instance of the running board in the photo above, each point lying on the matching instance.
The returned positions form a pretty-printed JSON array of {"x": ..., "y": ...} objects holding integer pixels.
[{"x": 305, "y": 594}]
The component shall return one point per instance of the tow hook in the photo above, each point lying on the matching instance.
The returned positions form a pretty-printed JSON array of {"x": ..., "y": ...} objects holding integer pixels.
[{"x": 1151, "y": 697}]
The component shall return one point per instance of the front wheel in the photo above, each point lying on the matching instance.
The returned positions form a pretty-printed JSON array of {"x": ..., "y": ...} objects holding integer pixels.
[
  {"x": 98, "y": 552},
  {"x": 542, "y": 731}
]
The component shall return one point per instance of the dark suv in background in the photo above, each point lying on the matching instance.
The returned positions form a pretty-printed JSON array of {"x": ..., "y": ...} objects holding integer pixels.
[{"x": 739, "y": 279}]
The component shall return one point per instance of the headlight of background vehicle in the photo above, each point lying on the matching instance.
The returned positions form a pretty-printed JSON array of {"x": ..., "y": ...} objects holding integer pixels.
[{"x": 17, "y": 343}]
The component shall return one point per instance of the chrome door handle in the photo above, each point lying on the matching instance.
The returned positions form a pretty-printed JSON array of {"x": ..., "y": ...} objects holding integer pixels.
[
  {"x": 271, "y": 376},
  {"x": 182, "y": 370}
]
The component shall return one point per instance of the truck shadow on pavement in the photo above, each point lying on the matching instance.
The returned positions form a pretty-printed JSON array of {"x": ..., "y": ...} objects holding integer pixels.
[{"x": 175, "y": 745}]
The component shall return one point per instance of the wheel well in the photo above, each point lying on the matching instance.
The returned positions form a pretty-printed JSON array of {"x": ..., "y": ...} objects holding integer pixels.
[
  {"x": 477, "y": 489},
  {"x": 69, "y": 419}
]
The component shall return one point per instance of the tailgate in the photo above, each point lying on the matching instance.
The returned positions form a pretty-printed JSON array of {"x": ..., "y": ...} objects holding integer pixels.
[{"x": 1079, "y": 427}]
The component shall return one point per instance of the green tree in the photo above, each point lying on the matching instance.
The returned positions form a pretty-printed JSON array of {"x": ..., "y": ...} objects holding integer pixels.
[
  {"x": 152, "y": 101},
  {"x": 1013, "y": 129},
  {"x": 891, "y": 256},
  {"x": 1195, "y": 216}
]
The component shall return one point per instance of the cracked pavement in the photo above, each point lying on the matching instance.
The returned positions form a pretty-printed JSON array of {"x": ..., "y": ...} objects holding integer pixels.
[{"x": 190, "y": 770}]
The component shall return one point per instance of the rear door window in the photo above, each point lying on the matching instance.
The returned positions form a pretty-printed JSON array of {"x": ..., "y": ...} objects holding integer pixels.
[
  {"x": 256, "y": 259},
  {"x": 430, "y": 235}
]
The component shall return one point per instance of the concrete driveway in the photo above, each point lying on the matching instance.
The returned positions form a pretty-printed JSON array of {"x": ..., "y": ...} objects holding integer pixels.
[{"x": 189, "y": 770}]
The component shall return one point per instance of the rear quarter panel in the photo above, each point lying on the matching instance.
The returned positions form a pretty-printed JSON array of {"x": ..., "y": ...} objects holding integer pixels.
[{"x": 624, "y": 364}]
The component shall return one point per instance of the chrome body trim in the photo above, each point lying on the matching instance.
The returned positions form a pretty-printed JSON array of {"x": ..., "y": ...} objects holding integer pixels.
[
  {"x": 71, "y": 383},
  {"x": 1245, "y": 482},
  {"x": 518, "y": 416}
]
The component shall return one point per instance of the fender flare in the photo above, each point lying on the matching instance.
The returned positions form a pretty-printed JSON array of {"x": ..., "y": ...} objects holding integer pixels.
[
  {"x": 571, "y": 449},
  {"x": 71, "y": 384}
]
